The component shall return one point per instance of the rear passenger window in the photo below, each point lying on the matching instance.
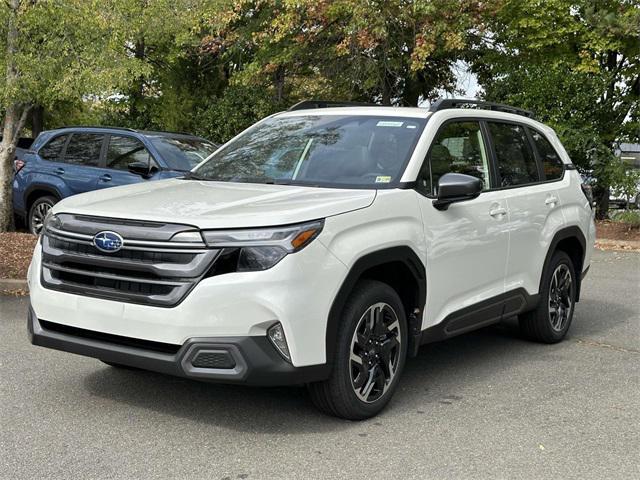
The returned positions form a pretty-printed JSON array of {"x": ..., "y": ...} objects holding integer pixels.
[
  {"x": 84, "y": 149},
  {"x": 551, "y": 163},
  {"x": 458, "y": 148},
  {"x": 516, "y": 162},
  {"x": 125, "y": 150},
  {"x": 52, "y": 151}
]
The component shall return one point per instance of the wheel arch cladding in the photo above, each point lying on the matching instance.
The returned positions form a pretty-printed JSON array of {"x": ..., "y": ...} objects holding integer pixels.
[
  {"x": 572, "y": 241},
  {"x": 398, "y": 267},
  {"x": 37, "y": 191}
]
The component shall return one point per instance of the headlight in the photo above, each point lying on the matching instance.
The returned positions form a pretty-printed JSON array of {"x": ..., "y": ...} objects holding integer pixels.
[
  {"x": 51, "y": 221},
  {"x": 260, "y": 248}
]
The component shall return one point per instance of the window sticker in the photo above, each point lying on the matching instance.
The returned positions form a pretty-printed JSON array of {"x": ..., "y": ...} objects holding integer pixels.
[
  {"x": 387, "y": 123},
  {"x": 412, "y": 126},
  {"x": 383, "y": 179}
]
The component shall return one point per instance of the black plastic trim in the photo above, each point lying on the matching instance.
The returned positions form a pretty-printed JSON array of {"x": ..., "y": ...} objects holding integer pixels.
[
  {"x": 481, "y": 314},
  {"x": 565, "y": 233},
  {"x": 256, "y": 361},
  {"x": 402, "y": 254}
]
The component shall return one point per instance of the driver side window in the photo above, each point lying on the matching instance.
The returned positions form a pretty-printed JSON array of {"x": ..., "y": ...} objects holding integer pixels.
[{"x": 457, "y": 148}]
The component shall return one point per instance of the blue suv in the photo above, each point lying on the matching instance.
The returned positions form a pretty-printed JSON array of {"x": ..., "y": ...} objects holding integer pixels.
[{"x": 73, "y": 160}]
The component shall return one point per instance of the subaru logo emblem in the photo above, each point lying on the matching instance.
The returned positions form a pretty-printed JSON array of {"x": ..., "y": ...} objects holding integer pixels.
[{"x": 108, "y": 241}]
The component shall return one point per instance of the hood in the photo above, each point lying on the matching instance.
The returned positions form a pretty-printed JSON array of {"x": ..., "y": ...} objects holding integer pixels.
[{"x": 216, "y": 204}]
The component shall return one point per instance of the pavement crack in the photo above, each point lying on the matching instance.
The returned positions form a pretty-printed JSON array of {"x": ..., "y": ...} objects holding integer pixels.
[{"x": 593, "y": 343}]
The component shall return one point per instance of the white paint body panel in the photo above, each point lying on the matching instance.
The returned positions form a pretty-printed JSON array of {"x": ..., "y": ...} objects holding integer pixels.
[{"x": 469, "y": 255}]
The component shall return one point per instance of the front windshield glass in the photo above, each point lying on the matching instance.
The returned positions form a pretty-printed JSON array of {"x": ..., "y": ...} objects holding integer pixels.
[
  {"x": 182, "y": 152},
  {"x": 322, "y": 150}
]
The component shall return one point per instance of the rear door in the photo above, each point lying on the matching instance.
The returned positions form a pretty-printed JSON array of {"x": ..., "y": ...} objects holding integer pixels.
[
  {"x": 120, "y": 152},
  {"x": 533, "y": 203},
  {"x": 81, "y": 162}
]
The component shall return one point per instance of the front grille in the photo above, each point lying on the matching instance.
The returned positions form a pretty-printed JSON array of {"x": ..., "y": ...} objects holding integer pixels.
[{"x": 149, "y": 269}]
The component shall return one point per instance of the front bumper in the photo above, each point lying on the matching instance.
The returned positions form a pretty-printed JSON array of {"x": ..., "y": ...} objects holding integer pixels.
[{"x": 250, "y": 360}]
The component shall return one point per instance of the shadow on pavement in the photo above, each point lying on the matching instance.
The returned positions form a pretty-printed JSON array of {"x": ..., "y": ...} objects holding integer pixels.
[{"x": 439, "y": 374}]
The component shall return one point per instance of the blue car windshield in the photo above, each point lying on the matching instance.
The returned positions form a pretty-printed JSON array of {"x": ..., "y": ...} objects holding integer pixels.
[
  {"x": 182, "y": 152},
  {"x": 320, "y": 150}
]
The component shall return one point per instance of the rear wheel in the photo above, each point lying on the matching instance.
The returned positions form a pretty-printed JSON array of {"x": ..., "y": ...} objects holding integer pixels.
[
  {"x": 550, "y": 321},
  {"x": 370, "y": 354},
  {"x": 38, "y": 212}
]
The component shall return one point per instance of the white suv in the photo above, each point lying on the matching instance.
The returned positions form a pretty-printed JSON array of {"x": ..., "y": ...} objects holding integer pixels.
[{"x": 322, "y": 246}]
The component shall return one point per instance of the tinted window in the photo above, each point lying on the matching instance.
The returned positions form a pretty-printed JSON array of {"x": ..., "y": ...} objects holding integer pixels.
[
  {"x": 551, "y": 162},
  {"x": 53, "y": 149},
  {"x": 84, "y": 149},
  {"x": 516, "y": 162},
  {"x": 182, "y": 153},
  {"x": 318, "y": 150},
  {"x": 458, "y": 148},
  {"x": 125, "y": 150}
]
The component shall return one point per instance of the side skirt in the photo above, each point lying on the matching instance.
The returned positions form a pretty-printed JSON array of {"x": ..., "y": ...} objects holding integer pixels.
[{"x": 481, "y": 314}]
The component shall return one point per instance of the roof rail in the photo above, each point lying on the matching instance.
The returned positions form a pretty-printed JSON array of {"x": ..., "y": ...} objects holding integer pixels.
[
  {"x": 446, "y": 103},
  {"x": 309, "y": 104},
  {"x": 97, "y": 126}
]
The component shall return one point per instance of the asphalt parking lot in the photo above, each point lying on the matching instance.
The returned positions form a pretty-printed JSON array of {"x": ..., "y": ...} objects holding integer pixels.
[{"x": 485, "y": 405}]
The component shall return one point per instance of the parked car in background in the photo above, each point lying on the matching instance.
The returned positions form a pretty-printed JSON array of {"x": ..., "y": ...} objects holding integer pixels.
[{"x": 74, "y": 160}]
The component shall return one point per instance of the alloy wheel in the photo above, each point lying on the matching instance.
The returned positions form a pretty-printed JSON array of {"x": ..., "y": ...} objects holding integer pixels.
[
  {"x": 560, "y": 297},
  {"x": 375, "y": 352},
  {"x": 37, "y": 217}
]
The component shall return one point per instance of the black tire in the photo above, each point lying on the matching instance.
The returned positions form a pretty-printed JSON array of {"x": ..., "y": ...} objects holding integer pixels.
[
  {"x": 542, "y": 324},
  {"x": 337, "y": 395},
  {"x": 38, "y": 211}
]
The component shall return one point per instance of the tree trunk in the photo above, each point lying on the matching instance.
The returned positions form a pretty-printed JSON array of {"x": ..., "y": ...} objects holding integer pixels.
[
  {"x": 137, "y": 91},
  {"x": 14, "y": 120},
  {"x": 13, "y": 115},
  {"x": 37, "y": 120},
  {"x": 278, "y": 83}
]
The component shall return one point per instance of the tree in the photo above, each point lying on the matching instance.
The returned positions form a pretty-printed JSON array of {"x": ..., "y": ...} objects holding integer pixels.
[
  {"x": 53, "y": 52},
  {"x": 576, "y": 64},
  {"x": 391, "y": 51}
]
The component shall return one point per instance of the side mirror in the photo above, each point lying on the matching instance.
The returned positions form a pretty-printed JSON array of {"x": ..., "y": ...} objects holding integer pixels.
[
  {"x": 140, "y": 168},
  {"x": 456, "y": 187}
]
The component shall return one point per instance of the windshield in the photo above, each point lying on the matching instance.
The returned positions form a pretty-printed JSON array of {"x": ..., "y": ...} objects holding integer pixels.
[
  {"x": 182, "y": 152},
  {"x": 322, "y": 150}
]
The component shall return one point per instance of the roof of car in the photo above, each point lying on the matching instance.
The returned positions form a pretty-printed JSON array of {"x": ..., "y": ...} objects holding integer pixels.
[{"x": 89, "y": 128}]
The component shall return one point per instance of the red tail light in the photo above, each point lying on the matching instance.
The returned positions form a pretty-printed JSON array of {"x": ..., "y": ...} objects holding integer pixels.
[{"x": 18, "y": 165}]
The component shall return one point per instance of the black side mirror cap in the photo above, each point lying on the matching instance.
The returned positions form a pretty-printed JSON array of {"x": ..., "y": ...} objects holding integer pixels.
[{"x": 456, "y": 187}]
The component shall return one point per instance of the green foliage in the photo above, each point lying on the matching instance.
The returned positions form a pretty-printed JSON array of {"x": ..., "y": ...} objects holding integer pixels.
[
  {"x": 222, "y": 118},
  {"x": 628, "y": 217}
]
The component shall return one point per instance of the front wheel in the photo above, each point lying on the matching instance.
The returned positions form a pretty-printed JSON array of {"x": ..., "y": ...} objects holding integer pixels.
[
  {"x": 369, "y": 356},
  {"x": 550, "y": 321}
]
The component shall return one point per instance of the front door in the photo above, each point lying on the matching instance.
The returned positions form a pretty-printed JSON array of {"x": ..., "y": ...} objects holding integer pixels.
[
  {"x": 468, "y": 243},
  {"x": 123, "y": 150}
]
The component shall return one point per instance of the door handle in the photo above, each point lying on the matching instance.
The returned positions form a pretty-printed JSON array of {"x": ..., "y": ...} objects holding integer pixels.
[
  {"x": 105, "y": 178},
  {"x": 497, "y": 211},
  {"x": 59, "y": 171},
  {"x": 551, "y": 200}
]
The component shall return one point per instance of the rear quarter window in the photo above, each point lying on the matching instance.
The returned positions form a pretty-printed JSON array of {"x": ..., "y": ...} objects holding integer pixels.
[{"x": 551, "y": 163}]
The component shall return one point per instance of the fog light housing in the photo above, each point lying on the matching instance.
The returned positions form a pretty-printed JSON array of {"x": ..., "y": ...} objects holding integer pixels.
[{"x": 279, "y": 341}]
